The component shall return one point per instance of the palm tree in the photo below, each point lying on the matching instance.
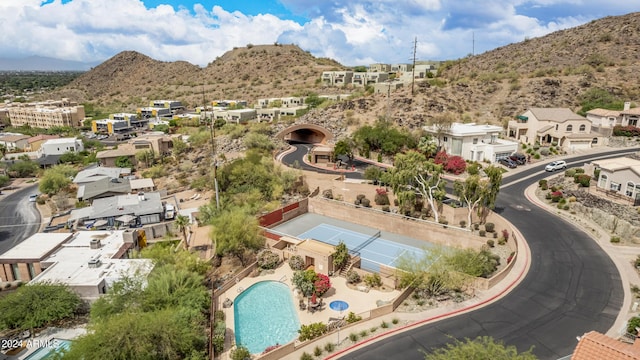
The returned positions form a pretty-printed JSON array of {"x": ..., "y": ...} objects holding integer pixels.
[{"x": 182, "y": 222}]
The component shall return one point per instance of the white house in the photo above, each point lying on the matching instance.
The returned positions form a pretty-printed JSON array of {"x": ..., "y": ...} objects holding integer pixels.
[
  {"x": 475, "y": 142},
  {"x": 60, "y": 146},
  {"x": 603, "y": 120}
]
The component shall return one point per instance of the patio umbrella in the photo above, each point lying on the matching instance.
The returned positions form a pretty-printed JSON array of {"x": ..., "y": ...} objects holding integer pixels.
[
  {"x": 313, "y": 298},
  {"x": 339, "y": 305}
]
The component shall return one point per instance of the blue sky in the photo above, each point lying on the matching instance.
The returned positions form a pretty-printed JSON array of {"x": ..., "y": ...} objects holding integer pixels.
[{"x": 353, "y": 32}]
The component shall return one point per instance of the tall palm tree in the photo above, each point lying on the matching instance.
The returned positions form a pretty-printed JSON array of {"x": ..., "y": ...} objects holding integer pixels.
[{"x": 182, "y": 222}]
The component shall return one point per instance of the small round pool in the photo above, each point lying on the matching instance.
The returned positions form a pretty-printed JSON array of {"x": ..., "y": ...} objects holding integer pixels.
[{"x": 264, "y": 315}]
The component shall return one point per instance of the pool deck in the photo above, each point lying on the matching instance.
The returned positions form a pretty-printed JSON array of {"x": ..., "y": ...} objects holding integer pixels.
[
  {"x": 358, "y": 301},
  {"x": 47, "y": 334}
]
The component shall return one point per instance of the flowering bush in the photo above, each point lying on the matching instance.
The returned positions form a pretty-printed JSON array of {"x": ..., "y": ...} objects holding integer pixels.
[
  {"x": 556, "y": 196},
  {"x": 271, "y": 348},
  {"x": 268, "y": 260},
  {"x": 381, "y": 191},
  {"x": 322, "y": 284},
  {"x": 628, "y": 131},
  {"x": 583, "y": 179},
  {"x": 455, "y": 164},
  {"x": 441, "y": 158}
]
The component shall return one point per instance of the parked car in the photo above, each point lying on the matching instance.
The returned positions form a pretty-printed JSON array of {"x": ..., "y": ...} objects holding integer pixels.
[
  {"x": 520, "y": 159},
  {"x": 508, "y": 163},
  {"x": 556, "y": 165}
]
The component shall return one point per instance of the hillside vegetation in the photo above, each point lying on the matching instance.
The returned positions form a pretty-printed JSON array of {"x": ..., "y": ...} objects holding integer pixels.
[{"x": 561, "y": 69}]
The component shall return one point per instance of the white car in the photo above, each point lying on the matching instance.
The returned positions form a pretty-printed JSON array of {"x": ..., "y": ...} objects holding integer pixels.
[
  {"x": 33, "y": 198},
  {"x": 556, "y": 165}
]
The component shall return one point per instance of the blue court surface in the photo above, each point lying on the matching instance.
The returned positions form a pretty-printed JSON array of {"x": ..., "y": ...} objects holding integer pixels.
[{"x": 374, "y": 249}]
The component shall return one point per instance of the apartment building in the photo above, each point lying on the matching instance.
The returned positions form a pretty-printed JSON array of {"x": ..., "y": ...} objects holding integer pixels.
[
  {"x": 337, "y": 78},
  {"x": 47, "y": 114},
  {"x": 172, "y": 105},
  {"x": 110, "y": 126},
  {"x": 368, "y": 78}
]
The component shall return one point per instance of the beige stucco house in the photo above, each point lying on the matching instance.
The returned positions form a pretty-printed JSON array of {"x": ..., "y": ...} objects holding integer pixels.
[
  {"x": 620, "y": 175},
  {"x": 559, "y": 126}
]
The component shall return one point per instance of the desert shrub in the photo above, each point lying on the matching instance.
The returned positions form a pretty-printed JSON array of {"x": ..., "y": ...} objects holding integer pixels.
[
  {"x": 384, "y": 325},
  {"x": 615, "y": 239},
  {"x": 502, "y": 241},
  {"x": 579, "y": 170},
  {"x": 240, "y": 353},
  {"x": 572, "y": 199},
  {"x": 381, "y": 198},
  {"x": 317, "y": 351},
  {"x": 544, "y": 151},
  {"x": 473, "y": 169},
  {"x": 353, "y": 337},
  {"x": 306, "y": 356},
  {"x": 329, "y": 347},
  {"x": 482, "y": 233},
  {"x": 495, "y": 235},
  {"x": 363, "y": 333},
  {"x": 628, "y": 131},
  {"x": 491, "y": 243},
  {"x": 296, "y": 262},
  {"x": 353, "y": 277},
  {"x": 463, "y": 223},
  {"x": 536, "y": 156},
  {"x": 395, "y": 321},
  {"x": 556, "y": 196},
  {"x": 583, "y": 179},
  {"x": 632, "y": 324},
  {"x": 311, "y": 331},
  {"x": 570, "y": 173},
  {"x": 267, "y": 259},
  {"x": 373, "y": 280},
  {"x": 543, "y": 184},
  {"x": 565, "y": 207},
  {"x": 396, "y": 202},
  {"x": 386, "y": 208},
  {"x": 476, "y": 226},
  {"x": 352, "y": 317},
  {"x": 365, "y": 202},
  {"x": 327, "y": 194},
  {"x": 490, "y": 227}
]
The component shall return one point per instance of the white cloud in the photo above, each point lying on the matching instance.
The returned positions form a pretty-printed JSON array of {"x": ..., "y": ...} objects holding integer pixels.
[{"x": 353, "y": 32}]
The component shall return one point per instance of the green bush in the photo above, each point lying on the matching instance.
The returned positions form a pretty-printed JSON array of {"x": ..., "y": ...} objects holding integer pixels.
[
  {"x": 579, "y": 170},
  {"x": 615, "y": 239},
  {"x": 386, "y": 208},
  {"x": 583, "y": 179},
  {"x": 363, "y": 333},
  {"x": 306, "y": 356},
  {"x": 463, "y": 223},
  {"x": 632, "y": 324},
  {"x": 490, "y": 227},
  {"x": 482, "y": 233},
  {"x": 353, "y": 337},
  {"x": 329, "y": 347},
  {"x": 353, "y": 277},
  {"x": 384, "y": 325},
  {"x": 267, "y": 259},
  {"x": 296, "y": 262},
  {"x": 373, "y": 280},
  {"x": 491, "y": 243},
  {"x": 381, "y": 199},
  {"x": 365, "y": 202},
  {"x": 311, "y": 331},
  {"x": 570, "y": 173},
  {"x": 240, "y": 353},
  {"x": 502, "y": 241},
  {"x": 352, "y": 317},
  {"x": 395, "y": 321},
  {"x": 317, "y": 351}
]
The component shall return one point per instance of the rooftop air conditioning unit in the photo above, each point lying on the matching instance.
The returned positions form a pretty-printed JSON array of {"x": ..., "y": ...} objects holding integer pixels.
[
  {"x": 94, "y": 263},
  {"x": 94, "y": 244}
]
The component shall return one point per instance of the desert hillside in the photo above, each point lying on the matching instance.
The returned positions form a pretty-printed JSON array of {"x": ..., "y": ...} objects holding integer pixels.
[{"x": 557, "y": 70}]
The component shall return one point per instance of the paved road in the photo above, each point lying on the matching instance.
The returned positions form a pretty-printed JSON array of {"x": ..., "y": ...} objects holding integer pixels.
[
  {"x": 571, "y": 288},
  {"x": 19, "y": 218},
  {"x": 297, "y": 156}
]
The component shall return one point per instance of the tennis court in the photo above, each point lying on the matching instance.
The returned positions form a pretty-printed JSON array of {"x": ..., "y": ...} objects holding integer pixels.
[{"x": 375, "y": 247}]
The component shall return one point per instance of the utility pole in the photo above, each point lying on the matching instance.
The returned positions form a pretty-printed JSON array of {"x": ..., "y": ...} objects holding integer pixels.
[
  {"x": 473, "y": 43},
  {"x": 413, "y": 67},
  {"x": 213, "y": 148}
]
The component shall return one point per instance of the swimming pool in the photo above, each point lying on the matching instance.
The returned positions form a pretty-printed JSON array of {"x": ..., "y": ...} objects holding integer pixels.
[
  {"x": 264, "y": 315},
  {"x": 48, "y": 351}
]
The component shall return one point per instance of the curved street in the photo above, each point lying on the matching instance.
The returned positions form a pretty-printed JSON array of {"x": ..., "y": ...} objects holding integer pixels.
[
  {"x": 19, "y": 218},
  {"x": 572, "y": 287}
]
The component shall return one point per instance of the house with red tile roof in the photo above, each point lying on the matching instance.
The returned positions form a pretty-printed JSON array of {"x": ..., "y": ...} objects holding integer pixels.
[{"x": 596, "y": 346}]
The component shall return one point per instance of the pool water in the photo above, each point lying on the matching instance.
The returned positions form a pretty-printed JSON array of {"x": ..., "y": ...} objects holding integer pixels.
[
  {"x": 44, "y": 353},
  {"x": 264, "y": 315}
]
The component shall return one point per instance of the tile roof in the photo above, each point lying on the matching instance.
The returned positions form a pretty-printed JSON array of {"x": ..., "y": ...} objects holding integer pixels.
[
  {"x": 634, "y": 111},
  {"x": 596, "y": 346},
  {"x": 41, "y": 137},
  {"x": 604, "y": 112},
  {"x": 13, "y": 138},
  {"x": 555, "y": 114}
]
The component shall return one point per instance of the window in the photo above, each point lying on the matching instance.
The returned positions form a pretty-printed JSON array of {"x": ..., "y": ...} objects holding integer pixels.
[
  {"x": 445, "y": 139},
  {"x": 32, "y": 271},
  {"x": 569, "y": 127},
  {"x": 602, "y": 182},
  {"x": 615, "y": 186},
  {"x": 629, "y": 190},
  {"x": 456, "y": 146},
  {"x": 556, "y": 127},
  {"x": 475, "y": 141},
  {"x": 583, "y": 127},
  {"x": 594, "y": 141},
  {"x": 15, "y": 272}
]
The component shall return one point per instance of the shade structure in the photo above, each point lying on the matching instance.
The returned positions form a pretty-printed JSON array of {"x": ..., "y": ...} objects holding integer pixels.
[{"x": 125, "y": 218}]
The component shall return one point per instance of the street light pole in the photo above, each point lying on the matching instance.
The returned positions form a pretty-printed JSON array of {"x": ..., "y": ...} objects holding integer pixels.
[{"x": 213, "y": 149}]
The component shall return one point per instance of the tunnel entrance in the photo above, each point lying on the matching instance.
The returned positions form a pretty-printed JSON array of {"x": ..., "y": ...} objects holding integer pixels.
[{"x": 306, "y": 133}]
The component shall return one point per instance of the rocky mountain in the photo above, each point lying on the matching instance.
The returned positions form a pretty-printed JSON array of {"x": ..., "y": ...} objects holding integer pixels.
[
  {"x": 130, "y": 79},
  {"x": 556, "y": 70}
]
